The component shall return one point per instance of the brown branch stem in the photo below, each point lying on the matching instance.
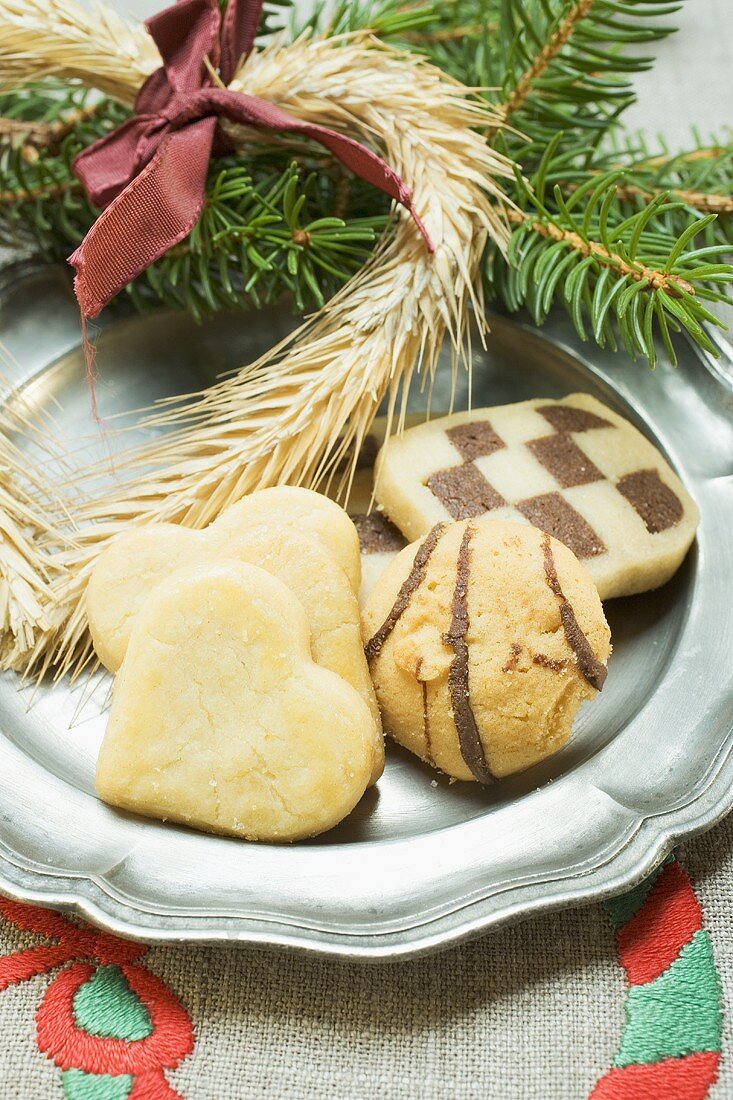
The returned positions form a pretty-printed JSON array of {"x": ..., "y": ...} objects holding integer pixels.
[
  {"x": 544, "y": 58},
  {"x": 708, "y": 153},
  {"x": 52, "y": 191},
  {"x": 705, "y": 202},
  {"x": 450, "y": 34},
  {"x": 657, "y": 280},
  {"x": 46, "y": 136}
]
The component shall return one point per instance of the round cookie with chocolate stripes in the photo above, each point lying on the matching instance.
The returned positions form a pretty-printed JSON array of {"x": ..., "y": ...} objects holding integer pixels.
[
  {"x": 572, "y": 467},
  {"x": 483, "y": 639}
]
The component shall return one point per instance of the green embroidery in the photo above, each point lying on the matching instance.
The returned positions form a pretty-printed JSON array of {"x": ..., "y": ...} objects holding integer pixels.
[
  {"x": 77, "y": 1085},
  {"x": 621, "y": 910},
  {"x": 105, "y": 1006},
  {"x": 676, "y": 1014}
]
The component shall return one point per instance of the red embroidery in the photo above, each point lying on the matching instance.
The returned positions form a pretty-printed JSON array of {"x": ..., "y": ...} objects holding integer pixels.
[
  {"x": 58, "y": 1036},
  {"x": 654, "y": 936},
  {"x": 687, "y": 1078},
  {"x": 70, "y": 1047}
]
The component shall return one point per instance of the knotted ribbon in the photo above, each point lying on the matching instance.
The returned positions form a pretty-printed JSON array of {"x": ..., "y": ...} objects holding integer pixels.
[{"x": 149, "y": 175}]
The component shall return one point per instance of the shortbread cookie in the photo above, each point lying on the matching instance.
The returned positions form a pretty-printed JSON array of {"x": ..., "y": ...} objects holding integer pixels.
[
  {"x": 572, "y": 468},
  {"x": 132, "y": 565},
  {"x": 221, "y": 720},
  {"x": 483, "y": 640},
  {"x": 304, "y": 511}
]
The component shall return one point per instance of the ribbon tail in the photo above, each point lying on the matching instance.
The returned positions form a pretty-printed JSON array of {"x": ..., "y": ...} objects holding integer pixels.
[
  {"x": 252, "y": 111},
  {"x": 239, "y": 28},
  {"x": 185, "y": 33},
  {"x": 156, "y": 210},
  {"x": 370, "y": 167}
]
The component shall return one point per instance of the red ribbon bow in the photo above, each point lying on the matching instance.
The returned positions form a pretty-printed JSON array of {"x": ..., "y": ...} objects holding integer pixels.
[{"x": 149, "y": 175}]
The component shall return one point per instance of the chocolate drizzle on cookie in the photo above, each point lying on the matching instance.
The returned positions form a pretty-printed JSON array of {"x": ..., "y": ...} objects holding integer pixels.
[
  {"x": 591, "y": 668},
  {"x": 469, "y": 740},
  {"x": 515, "y": 652},
  {"x": 410, "y": 585},
  {"x": 555, "y": 664}
]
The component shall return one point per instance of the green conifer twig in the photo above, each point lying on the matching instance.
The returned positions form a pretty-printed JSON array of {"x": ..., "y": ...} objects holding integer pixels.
[{"x": 605, "y": 225}]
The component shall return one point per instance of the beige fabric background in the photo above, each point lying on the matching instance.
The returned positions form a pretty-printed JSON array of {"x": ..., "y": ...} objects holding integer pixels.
[
  {"x": 533, "y": 1012},
  {"x": 529, "y": 1013}
]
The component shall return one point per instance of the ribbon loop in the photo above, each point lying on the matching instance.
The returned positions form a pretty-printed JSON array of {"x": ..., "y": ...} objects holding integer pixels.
[
  {"x": 185, "y": 35},
  {"x": 149, "y": 175}
]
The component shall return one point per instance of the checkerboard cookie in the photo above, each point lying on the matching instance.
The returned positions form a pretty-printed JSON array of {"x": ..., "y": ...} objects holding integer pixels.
[
  {"x": 483, "y": 639},
  {"x": 380, "y": 543},
  {"x": 572, "y": 467},
  {"x": 379, "y": 539}
]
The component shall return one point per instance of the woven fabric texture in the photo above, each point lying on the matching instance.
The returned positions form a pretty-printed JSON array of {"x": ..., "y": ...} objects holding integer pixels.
[{"x": 533, "y": 1012}]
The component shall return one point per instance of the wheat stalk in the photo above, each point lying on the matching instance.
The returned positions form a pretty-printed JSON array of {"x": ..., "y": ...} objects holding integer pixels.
[
  {"x": 60, "y": 38},
  {"x": 292, "y": 415}
]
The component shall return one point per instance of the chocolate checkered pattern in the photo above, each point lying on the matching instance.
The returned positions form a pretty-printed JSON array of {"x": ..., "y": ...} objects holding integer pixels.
[{"x": 466, "y": 491}]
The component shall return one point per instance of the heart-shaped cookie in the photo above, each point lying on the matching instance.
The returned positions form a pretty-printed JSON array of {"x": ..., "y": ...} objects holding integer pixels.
[
  {"x": 286, "y": 535},
  {"x": 220, "y": 718},
  {"x": 300, "y": 510}
]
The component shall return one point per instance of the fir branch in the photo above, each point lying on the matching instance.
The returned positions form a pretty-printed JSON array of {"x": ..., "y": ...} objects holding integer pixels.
[
  {"x": 448, "y": 34},
  {"x": 557, "y": 64},
  {"x": 289, "y": 221},
  {"x": 565, "y": 71},
  {"x": 630, "y": 269},
  {"x": 26, "y": 131},
  {"x": 273, "y": 227},
  {"x": 23, "y": 197},
  {"x": 695, "y": 182},
  {"x": 704, "y": 202},
  {"x": 558, "y": 39},
  {"x": 392, "y": 20},
  {"x": 606, "y": 265},
  {"x": 258, "y": 239},
  {"x": 42, "y": 204},
  {"x": 35, "y": 136},
  {"x": 700, "y": 178}
]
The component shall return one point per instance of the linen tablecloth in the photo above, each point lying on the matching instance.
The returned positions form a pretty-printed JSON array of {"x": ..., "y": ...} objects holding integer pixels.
[
  {"x": 541, "y": 1011},
  {"x": 538, "y": 1011}
]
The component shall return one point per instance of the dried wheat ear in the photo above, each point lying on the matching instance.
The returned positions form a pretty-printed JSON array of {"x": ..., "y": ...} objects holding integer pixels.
[{"x": 278, "y": 419}]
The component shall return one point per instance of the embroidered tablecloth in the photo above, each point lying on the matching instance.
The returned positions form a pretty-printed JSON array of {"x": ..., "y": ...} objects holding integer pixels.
[
  {"x": 629, "y": 1001},
  {"x": 617, "y": 1002}
]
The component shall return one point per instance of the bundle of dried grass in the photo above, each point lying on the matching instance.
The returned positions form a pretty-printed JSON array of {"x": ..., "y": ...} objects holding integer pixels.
[
  {"x": 60, "y": 38},
  {"x": 293, "y": 414}
]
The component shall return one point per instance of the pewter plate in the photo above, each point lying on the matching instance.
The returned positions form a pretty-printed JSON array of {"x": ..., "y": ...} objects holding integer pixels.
[{"x": 420, "y": 863}]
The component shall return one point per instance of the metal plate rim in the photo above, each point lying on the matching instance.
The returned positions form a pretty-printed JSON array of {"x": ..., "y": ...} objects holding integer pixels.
[
  {"x": 648, "y": 846},
  {"x": 641, "y": 844}
]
